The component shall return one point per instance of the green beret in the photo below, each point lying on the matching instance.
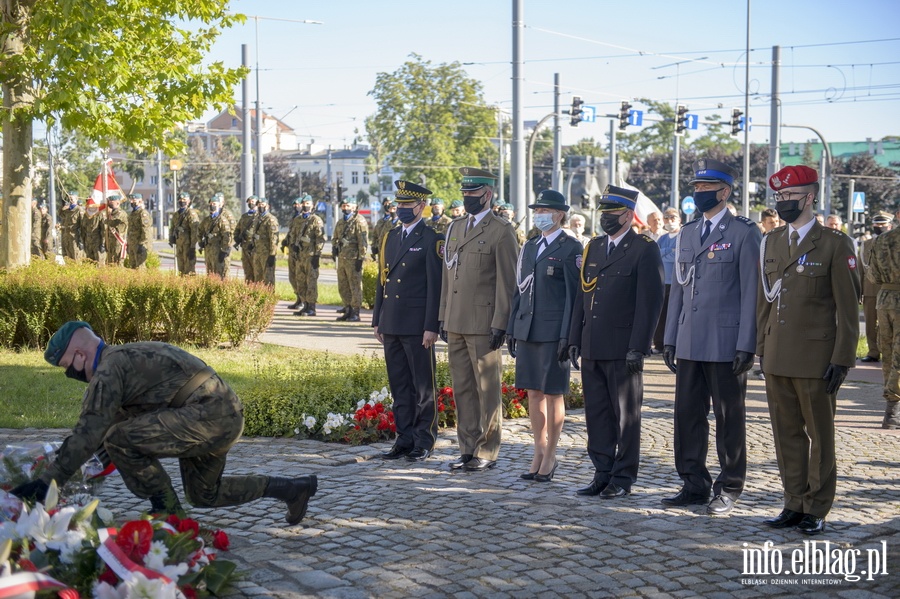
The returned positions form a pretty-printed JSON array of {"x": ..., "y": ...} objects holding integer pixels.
[
  {"x": 60, "y": 340},
  {"x": 437, "y": 202},
  {"x": 184, "y": 195},
  {"x": 507, "y": 207},
  {"x": 456, "y": 204},
  {"x": 135, "y": 196}
]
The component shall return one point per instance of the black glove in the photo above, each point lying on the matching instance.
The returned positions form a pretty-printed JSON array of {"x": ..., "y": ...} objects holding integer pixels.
[
  {"x": 223, "y": 255},
  {"x": 35, "y": 490},
  {"x": 202, "y": 245},
  {"x": 192, "y": 254},
  {"x": 574, "y": 354},
  {"x": 511, "y": 345},
  {"x": 743, "y": 361},
  {"x": 442, "y": 334},
  {"x": 334, "y": 253},
  {"x": 634, "y": 361},
  {"x": 171, "y": 243},
  {"x": 835, "y": 376},
  {"x": 314, "y": 262},
  {"x": 270, "y": 262},
  {"x": 284, "y": 244},
  {"x": 496, "y": 339},
  {"x": 669, "y": 357},
  {"x": 358, "y": 265},
  {"x": 200, "y": 250},
  {"x": 80, "y": 246},
  {"x": 102, "y": 248},
  {"x": 562, "y": 350},
  {"x": 237, "y": 246}
]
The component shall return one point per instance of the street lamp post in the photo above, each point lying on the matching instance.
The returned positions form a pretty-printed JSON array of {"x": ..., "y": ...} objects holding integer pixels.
[{"x": 529, "y": 179}]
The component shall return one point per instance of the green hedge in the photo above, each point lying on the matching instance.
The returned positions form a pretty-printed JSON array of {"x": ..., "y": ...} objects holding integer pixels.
[{"x": 126, "y": 305}]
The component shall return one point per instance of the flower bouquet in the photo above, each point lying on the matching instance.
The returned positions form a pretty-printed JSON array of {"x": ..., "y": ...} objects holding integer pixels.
[
  {"x": 512, "y": 401},
  {"x": 446, "y": 407},
  {"x": 373, "y": 420}
]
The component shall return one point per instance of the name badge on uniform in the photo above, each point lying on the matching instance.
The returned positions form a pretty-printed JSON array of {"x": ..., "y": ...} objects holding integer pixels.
[{"x": 550, "y": 271}]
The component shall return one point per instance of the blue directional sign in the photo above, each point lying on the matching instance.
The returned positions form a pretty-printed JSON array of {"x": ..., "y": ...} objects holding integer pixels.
[
  {"x": 687, "y": 205},
  {"x": 589, "y": 114},
  {"x": 691, "y": 121},
  {"x": 859, "y": 201},
  {"x": 636, "y": 117},
  {"x": 744, "y": 123}
]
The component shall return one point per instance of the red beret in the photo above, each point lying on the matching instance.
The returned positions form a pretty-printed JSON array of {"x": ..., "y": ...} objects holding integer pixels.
[{"x": 793, "y": 176}]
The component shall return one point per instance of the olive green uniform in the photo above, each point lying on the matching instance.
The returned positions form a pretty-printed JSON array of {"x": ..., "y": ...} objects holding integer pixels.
[
  {"x": 242, "y": 240},
  {"x": 92, "y": 236},
  {"x": 70, "y": 231},
  {"x": 264, "y": 238},
  {"x": 140, "y": 237},
  {"x": 381, "y": 228},
  {"x": 184, "y": 232},
  {"x": 350, "y": 243},
  {"x": 216, "y": 235},
  {"x": 869, "y": 297},
  {"x": 440, "y": 224},
  {"x": 304, "y": 241},
  {"x": 36, "y": 233},
  {"x": 884, "y": 270},
  {"x": 46, "y": 235},
  {"x": 127, "y": 409},
  {"x": 115, "y": 227}
]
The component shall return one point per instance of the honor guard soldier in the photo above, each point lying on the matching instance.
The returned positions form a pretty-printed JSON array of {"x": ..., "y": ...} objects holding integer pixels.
[
  {"x": 242, "y": 238},
  {"x": 264, "y": 239},
  {"x": 70, "y": 228},
  {"x": 184, "y": 232},
  {"x": 508, "y": 213},
  {"x": 216, "y": 235},
  {"x": 92, "y": 231},
  {"x": 881, "y": 223},
  {"x": 479, "y": 278},
  {"x": 438, "y": 220},
  {"x": 348, "y": 246},
  {"x": 456, "y": 210},
  {"x": 384, "y": 224},
  {"x": 46, "y": 230},
  {"x": 36, "y": 249},
  {"x": 808, "y": 323},
  {"x": 140, "y": 232},
  {"x": 116, "y": 230},
  {"x": 146, "y": 401},
  {"x": 711, "y": 332},
  {"x": 405, "y": 320},
  {"x": 884, "y": 271},
  {"x": 305, "y": 239}
]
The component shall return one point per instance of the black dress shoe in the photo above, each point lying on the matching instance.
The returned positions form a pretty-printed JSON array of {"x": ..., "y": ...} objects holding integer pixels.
[
  {"x": 786, "y": 519},
  {"x": 396, "y": 452},
  {"x": 720, "y": 505},
  {"x": 419, "y": 454},
  {"x": 811, "y": 525},
  {"x": 527, "y": 475},
  {"x": 595, "y": 488},
  {"x": 546, "y": 478},
  {"x": 480, "y": 464},
  {"x": 460, "y": 461},
  {"x": 868, "y": 359},
  {"x": 612, "y": 491},
  {"x": 685, "y": 497}
]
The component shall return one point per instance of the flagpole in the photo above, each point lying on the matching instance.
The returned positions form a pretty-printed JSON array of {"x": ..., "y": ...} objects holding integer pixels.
[{"x": 104, "y": 185}]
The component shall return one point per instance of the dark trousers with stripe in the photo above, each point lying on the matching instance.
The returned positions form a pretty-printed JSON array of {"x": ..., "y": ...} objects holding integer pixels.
[{"x": 410, "y": 369}]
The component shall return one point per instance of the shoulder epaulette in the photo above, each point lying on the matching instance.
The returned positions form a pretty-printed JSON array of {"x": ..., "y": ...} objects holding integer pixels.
[
  {"x": 745, "y": 220},
  {"x": 645, "y": 237}
]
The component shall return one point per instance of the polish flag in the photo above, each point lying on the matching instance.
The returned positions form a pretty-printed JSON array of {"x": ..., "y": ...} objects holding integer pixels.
[
  {"x": 112, "y": 188},
  {"x": 644, "y": 206}
]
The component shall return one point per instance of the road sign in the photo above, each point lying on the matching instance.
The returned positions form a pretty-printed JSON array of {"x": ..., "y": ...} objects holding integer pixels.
[
  {"x": 175, "y": 164},
  {"x": 859, "y": 201},
  {"x": 691, "y": 121},
  {"x": 636, "y": 118},
  {"x": 589, "y": 114},
  {"x": 687, "y": 205}
]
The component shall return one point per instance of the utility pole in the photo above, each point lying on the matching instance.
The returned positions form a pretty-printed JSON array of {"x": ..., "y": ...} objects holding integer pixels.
[
  {"x": 160, "y": 195},
  {"x": 745, "y": 187},
  {"x": 850, "y": 193},
  {"x": 246, "y": 150},
  {"x": 674, "y": 200},
  {"x": 330, "y": 211},
  {"x": 612, "y": 154},
  {"x": 517, "y": 180},
  {"x": 501, "y": 184},
  {"x": 556, "y": 181},
  {"x": 775, "y": 116},
  {"x": 260, "y": 168}
]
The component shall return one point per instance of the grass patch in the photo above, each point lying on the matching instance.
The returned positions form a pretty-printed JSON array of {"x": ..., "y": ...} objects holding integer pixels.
[{"x": 328, "y": 293}]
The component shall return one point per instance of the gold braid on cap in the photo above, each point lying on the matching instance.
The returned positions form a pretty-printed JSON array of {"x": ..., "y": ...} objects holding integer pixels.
[
  {"x": 382, "y": 267},
  {"x": 586, "y": 286}
]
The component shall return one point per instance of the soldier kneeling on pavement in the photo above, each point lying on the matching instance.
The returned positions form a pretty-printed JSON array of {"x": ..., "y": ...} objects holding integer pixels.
[{"x": 151, "y": 400}]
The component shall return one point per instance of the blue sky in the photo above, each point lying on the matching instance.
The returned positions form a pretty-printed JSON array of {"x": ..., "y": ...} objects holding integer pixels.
[{"x": 604, "y": 51}]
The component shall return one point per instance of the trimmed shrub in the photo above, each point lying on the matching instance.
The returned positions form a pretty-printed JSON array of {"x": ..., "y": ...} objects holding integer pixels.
[{"x": 126, "y": 305}]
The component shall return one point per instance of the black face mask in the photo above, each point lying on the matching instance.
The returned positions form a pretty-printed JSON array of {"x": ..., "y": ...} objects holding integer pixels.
[
  {"x": 789, "y": 210},
  {"x": 610, "y": 223},
  {"x": 304, "y": 208},
  {"x": 877, "y": 230},
  {"x": 706, "y": 200},
  {"x": 78, "y": 375},
  {"x": 473, "y": 204}
]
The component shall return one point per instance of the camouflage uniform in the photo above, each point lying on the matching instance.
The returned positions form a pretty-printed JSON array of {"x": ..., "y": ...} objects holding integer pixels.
[
  {"x": 46, "y": 234},
  {"x": 140, "y": 237},
  {"x": 884, "y": 270},
  {"x": 870, "y": 295},
  {"x": 242, "y": 240},
  {"x": 349, "y": 245},
  {"x": 92, "y": 236},
  {"x": 215, "y": 240},
  {"x": 264, "y": 237},
  {"x": 70, "y": 231},
  {"x": 381, "y": 228},
  {"x": 439, "y": 224},
  {"x": 36, "y": 249},
  {"x": 305, "y": 240},
  {"x": 115, "y": 227},
  {"x": 183, "y": 234}
]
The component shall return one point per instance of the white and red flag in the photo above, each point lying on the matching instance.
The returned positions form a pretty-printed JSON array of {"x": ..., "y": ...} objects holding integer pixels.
[
  {"x": 112, "y": 187},
  {"x": 644, "y": 205}
]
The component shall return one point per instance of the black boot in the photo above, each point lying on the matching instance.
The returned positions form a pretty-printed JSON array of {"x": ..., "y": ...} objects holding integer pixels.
[
  {"x": 166, "y": 503},
  {"x": 347, "y": 313},
  {"x": 296, "y": 304},
  {"x": 354, "y": 315},
  {"x": 342, "y": 310},
  {"x": 309, "y": 310},
  {"x": 296, "y": 492},
  {"x": 891, "y": 416}
]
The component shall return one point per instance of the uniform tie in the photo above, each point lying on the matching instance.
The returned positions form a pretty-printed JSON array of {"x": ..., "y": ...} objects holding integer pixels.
[
  {"x": 471, "y": 224},
  {"x": 705, "y": 232},
  {"x": 795, "y": 242},
  {"x": 541, "y": 245},
  {"x": 610, "y": 249}
]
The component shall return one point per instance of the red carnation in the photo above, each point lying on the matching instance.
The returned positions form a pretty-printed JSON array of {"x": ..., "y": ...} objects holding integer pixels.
[
  {"x": 220, "y": 540},
  {"x": 173, "y": 521},
  {"x": 189, "y": 525},
  {"x": 109, "y": 577},
  {"x": 27, "y": 565},
  {"x": 379, "y": 407},
  {"x": 189, "y": 592}
]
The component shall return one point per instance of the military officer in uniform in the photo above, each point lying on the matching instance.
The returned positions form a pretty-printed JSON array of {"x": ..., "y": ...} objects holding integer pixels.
[
  {"x": 184, "y": 232},
  {"x": 348, "y": 246},
  {"x": 70, "y": 228},
  {"x": 264, "y": 238},
  {"x": 438, "y": 220},
  {"x": 618, "y": 305},
  {"x": 881, "y": 222},
  {"x": 457, "y": 209},
  {"x": 384, "y": 224},
  {"x": 884, "y": 271},
  {"x": 242, "y": 238},
  {"x": 711, "y": 332},
  {"x": 216, "y": 234},
  {"x": 808, "y": 322},
  {"x": 306, "y": 239},
  {"x": 115, "y": 226},
  {"x": 92, "y": 231},
  {"x": 140, "y": 232},
  {"x": 149, "y": 400},
  {"x": 46, "y": 231},
  {"x": 405, "y": 320},
  {"x": 479, "y": 278},
  {"x": 293, "y": 255},
  {"x": 508, "y": 213},
  {"x": 36, "y": 249}
]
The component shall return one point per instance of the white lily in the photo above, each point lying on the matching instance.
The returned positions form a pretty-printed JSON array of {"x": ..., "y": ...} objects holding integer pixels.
[
  {"x": 44, "y": 530},
  {"x": 141, "y": 587},
  {"x": 104, "y": 590}
]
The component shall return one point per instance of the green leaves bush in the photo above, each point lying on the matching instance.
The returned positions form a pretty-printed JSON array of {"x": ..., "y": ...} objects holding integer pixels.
[{"x": 125, "y": 305}]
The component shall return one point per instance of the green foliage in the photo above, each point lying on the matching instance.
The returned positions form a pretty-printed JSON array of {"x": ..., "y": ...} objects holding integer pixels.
[
  {"x": 129, "y": 305},
  {"x": 370, "y": 283},
  {"x": 77, "y": 164},
  {"x": 282, "y": 186},
  {"x": 209, "y": 172}
]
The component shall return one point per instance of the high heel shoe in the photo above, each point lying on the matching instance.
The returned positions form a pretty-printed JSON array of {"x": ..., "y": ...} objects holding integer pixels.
[
  {"x": 528, "y": 476},
  {"x": 546, "y": 478}
]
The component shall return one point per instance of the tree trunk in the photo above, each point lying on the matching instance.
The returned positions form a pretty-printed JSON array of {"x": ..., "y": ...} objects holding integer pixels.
[{"x": 15, "y": 220}]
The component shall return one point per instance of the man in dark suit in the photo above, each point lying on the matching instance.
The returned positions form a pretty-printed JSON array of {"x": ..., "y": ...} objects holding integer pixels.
[
  {"x": 616, "y": 310},
  {"x": 808, "y": 321},
  {"x": 711, "y": 331},
  {"x": 406, "y": 321}
]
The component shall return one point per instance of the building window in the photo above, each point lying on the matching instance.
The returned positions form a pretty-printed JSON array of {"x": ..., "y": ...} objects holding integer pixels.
[
  {"x": 233, "y": 123},
  {"x": 153, "y": 179},
  {"x": 365, "y": 178},
  {"x": 354, "y": 177}
]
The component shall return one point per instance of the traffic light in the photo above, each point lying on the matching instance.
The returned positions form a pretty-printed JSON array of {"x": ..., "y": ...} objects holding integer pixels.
[
  {"x": 328, "y": 194},
  {"x": 680, "y": 119},
  {"x": 737, "y": 122},
  {"x": 624, "y": 113},
  {"x": 577, "y": 113},
  {"x": 340, "y": 193}
]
